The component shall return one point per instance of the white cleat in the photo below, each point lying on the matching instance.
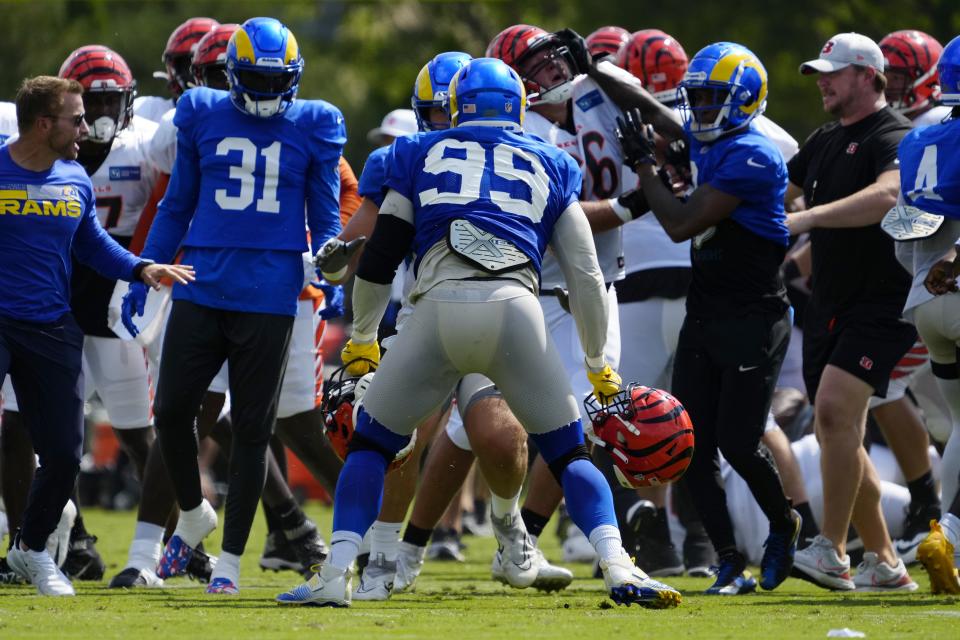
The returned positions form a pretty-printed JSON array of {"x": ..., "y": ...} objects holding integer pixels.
[
  {"x": 577, "y": 548},
  {"x": 376, "y": 581},
  {"x": 549, "y": 577},
  {"x": 513, "y": 563},
  {"x": 328, "y": 588},
  {"x": 40, "y": 569},
  {"x": 627, "y": 584},
  {"x": 409, "y": 565}
]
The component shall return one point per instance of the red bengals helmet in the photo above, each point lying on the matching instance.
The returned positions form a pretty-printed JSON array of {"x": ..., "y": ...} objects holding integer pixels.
[
  {"x": 647, "y": 432},
  {"x": 341, "y": 403},
  {"x": 178, "y": 54},
  {"x": 657, "y": 59},
  {"x": 209, "y": 65},
  {"x": 910, "y": 64},
  {"x": 606, "y": 41},
  {"x": 108, "y": 89},
  {"x": 534, "y": 53}
]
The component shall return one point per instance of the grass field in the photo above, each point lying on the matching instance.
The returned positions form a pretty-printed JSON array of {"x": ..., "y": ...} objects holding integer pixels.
[{"x": 454, "y": 602}]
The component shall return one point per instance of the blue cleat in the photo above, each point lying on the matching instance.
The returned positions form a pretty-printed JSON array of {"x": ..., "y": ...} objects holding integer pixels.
[
  {"x": 175, "y": 559},
  {"x": 328, "y": 588},
  {"x": 223, "y": 586},
  {"x": 627, "y": 584},
  {"x": 780, "y": 548},
  {"x": 732, "y": 578}
]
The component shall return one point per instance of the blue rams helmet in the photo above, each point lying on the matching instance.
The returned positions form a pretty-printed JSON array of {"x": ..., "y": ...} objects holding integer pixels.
[
  {"x": 724, "y": 88},
  {"x": 263, "y": 67},
  {"x": 433, "y": 81},
  {"x": 486, "y": 89},
  {"x": 949, "y": 69}
]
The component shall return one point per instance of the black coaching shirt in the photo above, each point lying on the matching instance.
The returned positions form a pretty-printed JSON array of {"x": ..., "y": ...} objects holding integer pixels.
[{"x": 853, "y": 266}]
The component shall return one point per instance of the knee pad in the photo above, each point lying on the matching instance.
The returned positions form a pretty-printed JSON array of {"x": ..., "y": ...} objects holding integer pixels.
[
  {"x": 370, "y": 435},
  {"x": 559, "y": 465}
]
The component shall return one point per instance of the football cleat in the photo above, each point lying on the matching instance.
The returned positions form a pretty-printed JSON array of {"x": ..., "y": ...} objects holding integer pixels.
[
  {"x": 176, "y": 557},
  {"x": 874, "y": 575},
  {"x": 330, "y": 587},
  {"x": 133, "y": 578},
  {"x": 40, "y": 570},
  {"x": 223, "y": 586},
  {"x": 915, "y": 530},
  {"x": 936, "y": 555},
  {"x": 549, "y": 577},
  {"x": 277, "y": 554},
  {"x": 732, "y": 579},
  {"x": 627, "y": 584},
  {"x": 8, "y": 575},
  {"x": 83, "y": 562},
  {"x": 201, "y": 565},
  {"x": 513, "y": 562},
  {"x": 779, "y": 550},
  {"x": 409, "y": 565},
  {"x": 655, "y": 553},
  {"x": 819, "y": 563},
  {"x": 445, "y": 546},
  {"x": 376, "y": 581}
]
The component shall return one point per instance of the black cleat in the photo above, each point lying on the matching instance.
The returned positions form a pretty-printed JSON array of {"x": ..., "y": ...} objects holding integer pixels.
[
  {"x": 201, "y": 565},
  {"x": 133, "y": 578},
  {"x": 655, "y": 553},
  {"x": 915, "y": 530},
  {"x": 83, "y": 561}
]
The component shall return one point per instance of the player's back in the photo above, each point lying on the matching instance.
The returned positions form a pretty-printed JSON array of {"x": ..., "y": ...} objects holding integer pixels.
[{"x": 930, "y": 168}]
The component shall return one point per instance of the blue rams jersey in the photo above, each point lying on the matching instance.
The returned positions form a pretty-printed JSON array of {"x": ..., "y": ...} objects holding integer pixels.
[
  {"x": 750, "y": 167},
  {"x": 374, "y": 176},
  {"x": 236, "y": 199},
  {"x": 44, "y": 215},
  {"x": 930, "y": 168},
  {"x": 511, "y": 185}
]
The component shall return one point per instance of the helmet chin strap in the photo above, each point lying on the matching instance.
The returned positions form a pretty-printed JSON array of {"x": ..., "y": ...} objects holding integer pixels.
[{"x": 262, "y": 108}]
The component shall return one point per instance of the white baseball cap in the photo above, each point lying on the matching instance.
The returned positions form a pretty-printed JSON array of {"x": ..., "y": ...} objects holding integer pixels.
[
  {"x": 845, "y": 49},
  {"x": 399, "y": 122}
]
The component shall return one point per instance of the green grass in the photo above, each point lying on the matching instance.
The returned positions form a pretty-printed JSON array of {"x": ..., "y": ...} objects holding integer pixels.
[{"x": 454, "y": 602}]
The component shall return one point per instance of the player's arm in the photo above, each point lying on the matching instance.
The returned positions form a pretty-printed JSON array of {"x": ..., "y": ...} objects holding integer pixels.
[
  {"x": 790, "y": 198},
  {"x": 705, "y": 207},
  {"x": 603, "y": 215},
  {"x": 350, "y": 199},
  {"x": 627, "y": 92},
  {"x": 323, "y": 203},
  {"x": 860, "y": 209}
]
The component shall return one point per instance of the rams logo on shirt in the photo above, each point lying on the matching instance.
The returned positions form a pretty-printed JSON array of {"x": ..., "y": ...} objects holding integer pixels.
[{"x": 40, "y": 200}]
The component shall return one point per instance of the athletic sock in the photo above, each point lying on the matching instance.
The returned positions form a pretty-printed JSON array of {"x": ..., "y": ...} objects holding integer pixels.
[
  {"x": 416, "y": 536},
  {"x": 534, "y": 522},
  {"x": 501, "y": 507},
  {"x": 194, "y": 524},
  {"x": 344, "y": 546},
  {"x": 147, "y": 546},
  {"x": 385, "y": 538},
  {"x": 606, "y": 540},
  {"x": 228, "y": 566},
  {"x": 923, "y": 490}
]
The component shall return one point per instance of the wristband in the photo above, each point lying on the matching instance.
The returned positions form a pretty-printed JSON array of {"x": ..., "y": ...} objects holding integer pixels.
[{"x": 621, "y": 211}]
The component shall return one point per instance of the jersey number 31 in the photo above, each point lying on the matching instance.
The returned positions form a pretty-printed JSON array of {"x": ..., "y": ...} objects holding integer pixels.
[{"x": 244, "y": 172}]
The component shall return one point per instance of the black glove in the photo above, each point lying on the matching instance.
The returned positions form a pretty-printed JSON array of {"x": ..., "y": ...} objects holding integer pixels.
[
  {"x": 678, "y": 155},
  {"x": 636, "y": 139},
  {"x": 333, "y": 257},
  {"x": 577, "y": 46},
  {"x": 635, "y": 201}
]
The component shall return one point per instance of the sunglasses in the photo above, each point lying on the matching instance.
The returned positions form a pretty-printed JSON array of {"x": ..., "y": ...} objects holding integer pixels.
[{"x": 76, "y": 120}]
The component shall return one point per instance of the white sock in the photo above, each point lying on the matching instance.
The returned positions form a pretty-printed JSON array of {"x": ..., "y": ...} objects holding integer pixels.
[
  {"x": 228, "y": 566},
  {"x": 384, "y": 538},
  {"x": 606, "y": 540},
  {"x": 951, "y": 528},
  {"x": 194, "y": 525},
  {"x": 501, "y": 507},
  {"x": 147, "y": 546},
  {"x": 949, "y": 480},
  {"x": 344, "y": 547}
]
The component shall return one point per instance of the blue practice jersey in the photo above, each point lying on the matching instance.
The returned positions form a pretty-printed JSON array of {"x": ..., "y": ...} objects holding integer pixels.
[
  {"x": 43, "y": 216},
  {"x": 507, "y": 184},
  {"x": 374, "y": 176},
  {"x": 750, "y": 167},
  {"x": 236, "y": 199},
  {"x": 930, "y": 168}
]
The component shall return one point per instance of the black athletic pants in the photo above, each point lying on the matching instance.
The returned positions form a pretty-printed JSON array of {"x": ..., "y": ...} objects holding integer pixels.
[
  {"x": 724, "y": 374},
  {"x": 44, "y": 363},
  {"x": 197, "y": 341}
]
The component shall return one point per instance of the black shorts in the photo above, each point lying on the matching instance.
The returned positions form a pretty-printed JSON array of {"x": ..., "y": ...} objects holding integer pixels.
[{"x": 866, "y": 342}]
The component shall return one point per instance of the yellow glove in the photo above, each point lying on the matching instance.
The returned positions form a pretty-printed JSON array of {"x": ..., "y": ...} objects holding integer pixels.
[
  {"x": 360, "y": 358},
  {"x": 606, "y": 383}
]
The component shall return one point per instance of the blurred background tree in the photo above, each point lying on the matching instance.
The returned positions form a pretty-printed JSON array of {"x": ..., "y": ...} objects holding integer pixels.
[{"x": 364, "y": 56}]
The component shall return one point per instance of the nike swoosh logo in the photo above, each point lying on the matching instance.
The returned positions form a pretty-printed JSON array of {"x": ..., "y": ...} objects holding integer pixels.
[
  {"x": 904, "y": 548},
  {"x": 742, "y": 368},
  {"x": 751, "y": 163}
]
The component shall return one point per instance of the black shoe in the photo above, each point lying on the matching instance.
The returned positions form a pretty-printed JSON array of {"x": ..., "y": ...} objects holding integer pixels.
[
  {"x": 655, "y": 553},
  {"x": 8, "y": 575},
  {"x": 732, "y": 578},
  {"x": 133, "y": 578},
  {"x": 201, "y": 565},
  {"x": 309, "y": 549},
  {"x": 699, "y": 556},
  {"x": 915, "y": 530},
  {"x": 277, "y": 554},
  {"x": 83, "y": 562}
]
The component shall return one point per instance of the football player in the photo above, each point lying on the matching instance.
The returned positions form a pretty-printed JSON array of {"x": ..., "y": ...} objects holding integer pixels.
[
  {"x": 266, "y": 156},
  {"x": 606, "y": 41},
  {"x": 513, "y": 194},
  {"x": 930, "y": 181},
  {"x": 737, "y": 326}
]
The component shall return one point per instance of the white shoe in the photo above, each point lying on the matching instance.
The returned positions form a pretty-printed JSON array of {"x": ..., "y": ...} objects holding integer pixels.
[
  {"x": 820, "y": 564},
  {"x": 874, "y": 575},
  {"x": 58, "y": 543},
  {"x": 328, "y": 588},
  {"x": 409, "y": 565},
  {"x": 549, "y": 577},
  {"x": 40, "y": 569},
  {"x": 627, "y": 584},
  {"x": 577, "y": 548},
  {"x": 376, "y": 581},
  {"x": 513, "y": 563}
]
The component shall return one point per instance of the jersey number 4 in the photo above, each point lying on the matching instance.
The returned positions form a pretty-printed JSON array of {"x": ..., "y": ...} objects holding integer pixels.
[
  {"x": 471, "y": 169},
  {"x": 246, "y": 174},
  {"x": 926, "y": 181}
]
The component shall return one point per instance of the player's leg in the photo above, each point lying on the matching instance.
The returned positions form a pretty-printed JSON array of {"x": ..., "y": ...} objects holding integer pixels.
[{"x": 17, "y": 462}]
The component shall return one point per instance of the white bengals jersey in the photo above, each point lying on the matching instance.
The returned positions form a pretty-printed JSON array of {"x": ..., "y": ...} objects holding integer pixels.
[
  {"x": 151, "y": 107},
  {"x": 163, "y": 145},
  {"x": 597, "y": 151},
  {"x": 125, "y": 180},
  {"x": 8, "y": 121},
  {"x": 933, "y": 116}
]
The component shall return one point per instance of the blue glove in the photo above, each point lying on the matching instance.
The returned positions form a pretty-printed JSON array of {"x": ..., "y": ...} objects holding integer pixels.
[
  {"x": 133, "y": 304},
  {"x": 333, "y": 296}
]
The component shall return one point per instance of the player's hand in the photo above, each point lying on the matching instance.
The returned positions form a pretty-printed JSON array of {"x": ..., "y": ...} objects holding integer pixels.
[
  {"x": 332, "y": 300},
  {"x": 606, "y": 383},
  {"x": 800, "y": 222},
  {"x": 942, "y": 277},
  {"x": 360, "y": 358},
  {"x": 563, "y": 297},
  {"x": 635, "y": 201},
  {"x": 132, "y": 304},
  {"x": 334, "y": 256},
  {"x": 676, "y": 166},
  {"x": 579, "y": 52},
  {"x": 636, "y": 139},
  {"x": 153, "y": 273}
]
